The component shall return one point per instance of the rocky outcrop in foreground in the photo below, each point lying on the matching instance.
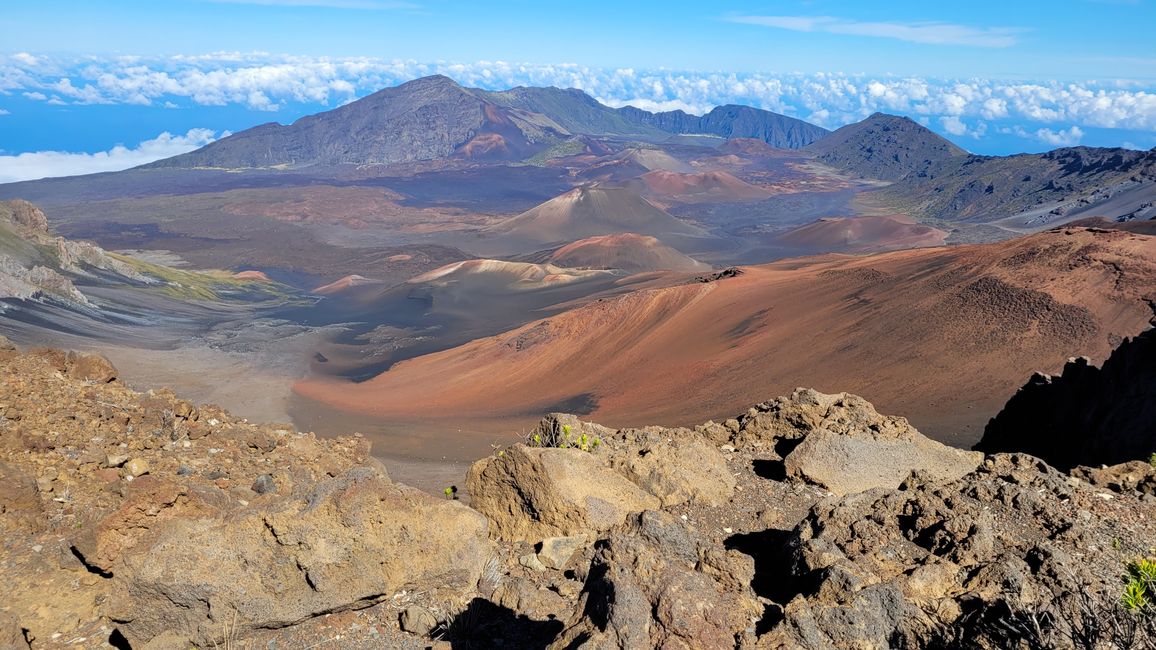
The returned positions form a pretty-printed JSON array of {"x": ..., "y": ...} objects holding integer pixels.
[
  {"x": 811, "y": 520},
  {"x": 1086, "y": 415}
]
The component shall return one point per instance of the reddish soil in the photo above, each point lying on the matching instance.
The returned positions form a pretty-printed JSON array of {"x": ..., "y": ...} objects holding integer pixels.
[
  {"x": 251, "y": 275},
  {"x": 863, "y": 235},
  {"x": 697, "y": 187},
  {"x": 944, "y": 335},
  {"x": 626, "y": 251}
]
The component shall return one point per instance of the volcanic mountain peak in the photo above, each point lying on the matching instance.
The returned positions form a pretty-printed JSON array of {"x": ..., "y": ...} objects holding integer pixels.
[
  {"x": 886, "y": 147},
  {"x": 690, "y": 187},
  {"x": 592, "y": 210},
  {"x": 625, "y": 251}
]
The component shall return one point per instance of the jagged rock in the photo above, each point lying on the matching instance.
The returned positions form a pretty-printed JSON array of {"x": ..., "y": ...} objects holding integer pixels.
[
  {"x": 529, "y": 493},
  {"x": 350, "y": 542},
  {"x": 654, "y": 584},
  {"x": 1125, "y": 477},
  {"x": 417, "y": 620},
  {"x": 20, "y": 506},
  {"x": 843, "y": 444},
  {"x": 676, "y": 465},
  {"x": 557, "y": 551},
  {"x": 6, "y": 345},
  {"x": 900, "y": 568},
  {"x": 24, "y": 215},
  {"x": 1086, "y": 415}
]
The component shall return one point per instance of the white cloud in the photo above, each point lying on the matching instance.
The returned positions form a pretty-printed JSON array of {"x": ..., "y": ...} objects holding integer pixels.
[
  {"x": 930, "y": 33},
  {"x": 657, "y": 106},
  {"x": 4, "y": 112},
  {"x": 954, "y": 125},
  {"x": 46, "y": 164},
  {"x": 1062, "y": 138},
  {"x": 25, "y": 58},
  {"x": 263, "y": 81}
]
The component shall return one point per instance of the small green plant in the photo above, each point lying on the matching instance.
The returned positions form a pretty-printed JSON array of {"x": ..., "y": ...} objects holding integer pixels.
[
  {"x": 1140, "y": 586},
  {"x": 565, "y": 439},
  {"x": 1152, "y": 459},
  {"x": 451, "y": 492}
]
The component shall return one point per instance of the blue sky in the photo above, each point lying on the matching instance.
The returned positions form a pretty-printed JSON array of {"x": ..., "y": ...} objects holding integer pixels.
[{"x": 82, "y": 77}]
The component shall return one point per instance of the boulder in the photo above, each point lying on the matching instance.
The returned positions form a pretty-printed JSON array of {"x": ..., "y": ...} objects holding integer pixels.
[
  {"x": 90, "y": 367},
  {"x": 676, "y": 465},
  {"x": 863, "y": 459},
  {"x": 350, "y": 542},
  {"x": 529, "y": 493},
  {"x": 653, "y": 583},
  {"x": 840, "y": 442}
]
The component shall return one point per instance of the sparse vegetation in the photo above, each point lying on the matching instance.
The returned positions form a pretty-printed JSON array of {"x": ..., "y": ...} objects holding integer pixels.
[{"x": 565, "y": 440}]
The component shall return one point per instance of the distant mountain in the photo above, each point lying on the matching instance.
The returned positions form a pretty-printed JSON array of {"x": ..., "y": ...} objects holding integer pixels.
[
  {"x": 886, "y": 147},
  {"x": 434, "y": 118},
  {"x": 731, "y": 121},
  {"x": 428, "y": 118},
  {"x": 1059, "y": 184}
]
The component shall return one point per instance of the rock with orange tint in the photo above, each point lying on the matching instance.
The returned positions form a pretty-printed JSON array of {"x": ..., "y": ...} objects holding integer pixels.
[
  {"x": 350, "y": 542},
  {"x": 530, "y": 493}
]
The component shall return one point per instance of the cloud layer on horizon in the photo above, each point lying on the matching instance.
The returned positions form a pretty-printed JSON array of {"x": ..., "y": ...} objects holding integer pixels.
[
  {"x": 43, "y": 164},
  {"x": 1045, "y": 111}
]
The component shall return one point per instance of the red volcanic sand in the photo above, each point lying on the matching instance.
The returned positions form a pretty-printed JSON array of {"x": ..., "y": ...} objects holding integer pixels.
[
  {"x": 626, "y": 251},
  {"x": 862, "y": 235},
  {"x": 702, "y": 186},
  {"x": 944, "y": 336},
  {"x": 251, "y": 275}
]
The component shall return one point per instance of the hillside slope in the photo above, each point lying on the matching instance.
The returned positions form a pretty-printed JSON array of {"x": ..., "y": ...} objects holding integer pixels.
[{"x": 944, "y": 335}]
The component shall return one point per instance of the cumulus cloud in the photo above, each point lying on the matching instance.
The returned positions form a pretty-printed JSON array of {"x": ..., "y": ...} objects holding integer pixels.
[
  {"x": 928, "y": 33},
  {"x": 1062, "y": 138},
  {"x": 45, "y": 164},
  {"x": 4, "y": 112}
]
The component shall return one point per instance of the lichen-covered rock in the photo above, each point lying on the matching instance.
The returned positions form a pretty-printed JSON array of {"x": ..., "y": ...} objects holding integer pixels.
[
  {"x": 352, "y": 541},
  {"x": 529, "y": 493},
  {"x": 653, "y": 583}
]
